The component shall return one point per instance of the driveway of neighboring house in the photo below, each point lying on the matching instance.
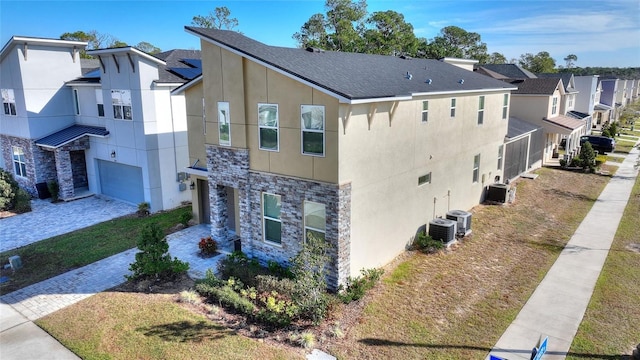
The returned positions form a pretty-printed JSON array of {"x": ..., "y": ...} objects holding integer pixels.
[{"x": 51, "y": 219}]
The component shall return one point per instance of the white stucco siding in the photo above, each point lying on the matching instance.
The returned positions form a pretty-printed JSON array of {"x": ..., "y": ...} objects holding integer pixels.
[{"x": 383, "y": 164}]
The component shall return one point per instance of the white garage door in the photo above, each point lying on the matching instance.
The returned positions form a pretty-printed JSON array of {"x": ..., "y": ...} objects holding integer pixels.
[{"x": 121, "y": 181}]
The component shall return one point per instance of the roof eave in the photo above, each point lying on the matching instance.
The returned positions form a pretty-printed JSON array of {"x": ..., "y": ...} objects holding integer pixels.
[
  {"x": 41, "y": 41},
  {"x": 70, "y": 140},
  {"x": 184, "y": 87},
  {"x": 126, "y": 50}
]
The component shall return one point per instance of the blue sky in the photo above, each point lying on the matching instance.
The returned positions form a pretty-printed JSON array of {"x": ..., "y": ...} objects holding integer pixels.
[{"x": 600, "y": 33}]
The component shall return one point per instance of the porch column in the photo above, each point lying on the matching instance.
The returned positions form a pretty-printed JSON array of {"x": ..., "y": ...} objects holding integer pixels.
[
  {"x": 65, "y": 174},
  {"x": 218, "y": 203}
]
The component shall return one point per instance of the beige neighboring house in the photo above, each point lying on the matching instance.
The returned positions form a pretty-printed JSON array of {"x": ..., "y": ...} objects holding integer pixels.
[
  {"x": 360, "y": 150},
  {"x": 540, "y": 102}
]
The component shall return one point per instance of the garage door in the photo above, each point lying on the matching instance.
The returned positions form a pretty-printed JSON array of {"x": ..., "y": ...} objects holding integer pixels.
[{"x": 121, "y": 181}]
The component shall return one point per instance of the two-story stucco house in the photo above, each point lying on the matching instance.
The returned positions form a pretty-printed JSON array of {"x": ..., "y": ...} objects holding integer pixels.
[
  {"x": 115, "y": 131},
  {"x": 359, "y": 150}
]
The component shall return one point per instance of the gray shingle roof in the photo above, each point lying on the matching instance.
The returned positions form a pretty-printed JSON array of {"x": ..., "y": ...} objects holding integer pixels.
[
  {"x": 511, "y": 71},
  {"x": 174, "y": 58},
  {"x": 519, "y": 127},
  {"x": 536, "y": 86},
  {"x": 70, "y": 134},
  {"x": 566, "y": 78},
  {"x": 356, "y": 76}
]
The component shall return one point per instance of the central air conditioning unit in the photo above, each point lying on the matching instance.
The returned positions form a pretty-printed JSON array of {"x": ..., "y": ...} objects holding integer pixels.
[
  {"x": 498, "y": 193},
  {"x": 463, "y": 221},
  {"x": 442, "y": 229}
]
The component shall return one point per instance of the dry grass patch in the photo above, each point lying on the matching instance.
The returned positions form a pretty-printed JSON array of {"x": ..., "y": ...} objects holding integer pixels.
[{"x": 455, "y": 305}]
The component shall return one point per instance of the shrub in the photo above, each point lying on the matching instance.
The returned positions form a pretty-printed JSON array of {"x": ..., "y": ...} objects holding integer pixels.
[
  {"x": 189, "y": 297},
  {"x": 279, "y": 270},
  {"x": 238, "y": 265},
  {"x": 8, "y": 190},
  {"x": 228, "y": 297},
  {"x": 587, "y": 156},
  {"x": 277, "y": 309},
  {"x": 143, "y": 209},
  {"x": 309, "y": 270},
  {"x": 356, "y": 288},
  {"x": 576, "y": 162},
  {"x": 54, "y": 189},
  {"x": 268, "y": 283},
  {"x": 307, "y": 340},
  {"x": 185, "y": 217},
  {"x": 154, "y": 260},
  {"x": 208, "y": 246},
  {"x": 23, "y": 201},
  {"x": 426, "y": 243},
  {"x": 563, "y": 162}
]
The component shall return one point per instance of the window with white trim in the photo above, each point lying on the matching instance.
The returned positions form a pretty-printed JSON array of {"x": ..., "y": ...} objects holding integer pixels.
[
  {"x": 453, "y": 107},
  {"x": 121, "y": 101},
  {"x": 268, "y": 127},
  {"x": 554, "y": 106},
  {"x": 224, "y": 123},
  {"x": 424, "y": 179},
  {"x": 425, "y": 111},
  {"x": 570, "y": 101},
  {"x": 481, "y": 110},
  {"x": 500, "y": 151},
  {"x": 19, "y": 163},
  {"x": 76, "y": 102},
  {"x": 476, "y": 168},
  {"x": 100, "y": 102},
  {"x": 315, "y": 220},
  {"x": 271, "y": 223},
  {"x": 505, "y": 107},
  {"x": 8, "y": 102},
  {"x": 312, "y": 127}
]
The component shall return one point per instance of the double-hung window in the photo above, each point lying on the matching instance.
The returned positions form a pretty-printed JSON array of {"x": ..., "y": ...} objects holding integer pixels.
[
  {"x": 312, "y": 125},
  {"x": 554, "y": 106},
  {"x": 271, "y": 223},
  {"x": 121, "y": 101},
  {"x": 481, "y": 110},
  {"x": 505, "y": 106},
  {"x": 224, "y": 124},
  {"x": 8, "y": 102},
  {"x": 100, "y": 102},
  {"x": 476, "y": 168},
  {"x": 315, "y": 220},
  {"x": 425, "y": 111},
  {"x": 19, "y": 163},
  {"x": 453, "y": 108},
  {"x": 268, "y": 127},
  {"x": 500, "y": 151}
]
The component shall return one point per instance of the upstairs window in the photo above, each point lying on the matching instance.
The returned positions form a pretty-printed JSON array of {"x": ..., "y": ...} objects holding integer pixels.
[
  {"x": 453, "y": 108},
  {"x": 76, "y": 102},
  {"x": 481, "y": 110},
  {"x": 271, "y": 223},
  {"x": 505, "y": 106},
  {"x": 425, "y": 111},
  {"x": 500, "y": 151},
  {"x": 100, "y": 102},
  {"x": 312, "y": 126},
  {"x": 8, "y": 102},
  {"x": 554, "y": 106},
  {"x": 19, "y": 163},
  {"x": 570, "y": 101},
  {"x": 476, "y": 168},
  {"x": 315, "y": 220},
  {"x": 224, "y": 124},
  {"x": 268, "y": 127},
  {"x": 121, "y": 101}
]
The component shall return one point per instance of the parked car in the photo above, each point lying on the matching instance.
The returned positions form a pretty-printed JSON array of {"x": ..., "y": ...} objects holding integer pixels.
[{"x": 602, "y": 144}]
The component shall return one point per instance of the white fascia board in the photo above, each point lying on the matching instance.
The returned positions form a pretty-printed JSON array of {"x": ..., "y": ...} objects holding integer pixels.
[
  {"x": 166, "y": 84},
  {"x": 71, "y": 84},
  {"x": 375, "y": 100},
  {"x": 340, "y": 98},
  {"x": 187, "y": 85},
  {"x": 192, "y": 171},
  {"x": 72, "y": 140},
  {"x": 40, "y": 41},
  {"x": 463, "y": 91},
  {"x": 126, "y": 50}
]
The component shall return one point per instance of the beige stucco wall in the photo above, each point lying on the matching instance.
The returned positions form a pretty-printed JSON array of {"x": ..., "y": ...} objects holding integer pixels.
[
  {"x": 532, "y": 108},
  {"x": 383, "y": 164}
]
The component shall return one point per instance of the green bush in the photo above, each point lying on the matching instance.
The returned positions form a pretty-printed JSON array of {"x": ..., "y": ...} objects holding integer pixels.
[
  {"x": 54, "y": 189},
  {"x": 587, "y": 157},
  {"x": 143, "y": 209},
  {"x": 268, "y": 283},
  {"x": 8, "y": 190},
  {"x": 238, "y": 265},
  {"x": 185, "y": 217},
  {"x": 355, "y": 288},
  {"x": 226, "y": 295},
  {"x": 23, "y": 201},
  {"x": 154, "y": 260},
  {"x": 426, "y": 243},
  {"x": 276, "y": 309},
  {"x": 575, "y": 162}
]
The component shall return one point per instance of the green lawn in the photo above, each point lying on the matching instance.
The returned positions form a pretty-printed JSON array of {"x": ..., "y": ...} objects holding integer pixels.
[
  {"x": 56, "y": 255},
  {"x": 610, "y": 326}
]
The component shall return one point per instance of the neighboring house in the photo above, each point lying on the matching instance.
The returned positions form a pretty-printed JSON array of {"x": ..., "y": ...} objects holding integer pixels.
[
  {"x": 115, "y": 130},
  {"x": 508, "y": 71},
  {"x": 568, "y": 101},
  {"x": 524, "y": 145},
  {"x": 360, "y": 150},
  {"x": 538, "y": 101},
  {"x": 608, "y": 97}
]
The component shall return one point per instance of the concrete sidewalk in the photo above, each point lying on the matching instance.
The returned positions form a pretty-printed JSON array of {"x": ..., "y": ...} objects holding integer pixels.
[{"x": 556, "y": 308}]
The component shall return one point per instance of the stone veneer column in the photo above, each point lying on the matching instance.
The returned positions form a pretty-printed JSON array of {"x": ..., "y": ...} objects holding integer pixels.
[
  {"x": 218, "y": 203},
  {"x": 65, "y": 176},
  {"x": 344, "y": 233}
]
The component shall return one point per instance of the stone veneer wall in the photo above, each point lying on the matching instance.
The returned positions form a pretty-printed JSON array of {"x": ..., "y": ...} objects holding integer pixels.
[
  {"x": 230, "y": 167},
  {"x": 64, "y": 166},
  {"x": 29, "y": 181}
]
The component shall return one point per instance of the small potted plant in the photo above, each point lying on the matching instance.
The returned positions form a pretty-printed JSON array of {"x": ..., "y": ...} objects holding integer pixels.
[{"x": 208, "y": 246}]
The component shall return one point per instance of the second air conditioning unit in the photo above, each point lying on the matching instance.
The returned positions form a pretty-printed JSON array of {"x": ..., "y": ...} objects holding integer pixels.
[
  {"x": 498, "y": 193},
  {"x": 463, "y": 221},
  {"x": 442, "y": 229}
]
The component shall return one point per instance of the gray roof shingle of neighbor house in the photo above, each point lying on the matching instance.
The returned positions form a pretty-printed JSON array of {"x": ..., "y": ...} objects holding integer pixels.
[
  {"x": 536, "y": 86},
  {"x": 566, "y": 78},
  {"x": 355, "y": 76},
  {"x": 181, "y": 65},
  {"x": 511, "y": 71}
]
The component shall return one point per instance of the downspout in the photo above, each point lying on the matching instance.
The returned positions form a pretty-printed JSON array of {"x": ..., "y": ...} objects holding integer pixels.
[{"x": 173, "y": 134}]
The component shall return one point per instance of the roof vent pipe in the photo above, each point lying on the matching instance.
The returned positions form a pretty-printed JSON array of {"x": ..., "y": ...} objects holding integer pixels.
[
  {"x": 461, "y": 81},
  {"x": 408, "y": 76},
  {"x": 429, "y": 81}
]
